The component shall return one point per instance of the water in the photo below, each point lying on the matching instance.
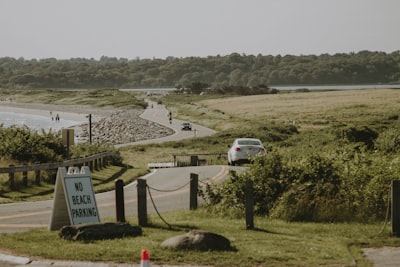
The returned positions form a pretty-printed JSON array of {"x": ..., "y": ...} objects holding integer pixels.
[
  {"x": 293, "y": 87},
  {"x": 35, "y": 122},
  {"x": 337, "y": 87}
]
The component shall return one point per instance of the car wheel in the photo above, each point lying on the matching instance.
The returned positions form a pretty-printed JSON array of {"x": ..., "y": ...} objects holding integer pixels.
[{"x": 233, "y": 163}]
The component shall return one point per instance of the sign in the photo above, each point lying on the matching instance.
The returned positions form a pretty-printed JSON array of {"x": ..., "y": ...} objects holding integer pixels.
[
  {"x": 68, "y": 137},
  {"x": 74, "y": 198}
]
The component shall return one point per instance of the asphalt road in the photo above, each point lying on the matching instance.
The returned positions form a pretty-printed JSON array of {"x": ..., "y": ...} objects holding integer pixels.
[
  {"x": 169, "y": 189},
  {"x": 158, "y": 113},
  {"x": 165, "y": 183}
]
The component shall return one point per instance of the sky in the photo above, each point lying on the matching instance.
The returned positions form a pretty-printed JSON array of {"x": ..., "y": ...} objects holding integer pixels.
[{"x": 132, "y": 29}]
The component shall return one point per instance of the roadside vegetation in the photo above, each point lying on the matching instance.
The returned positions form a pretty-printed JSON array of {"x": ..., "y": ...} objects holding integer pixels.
[
  {"x": 332, "y": 155},
  {"x": 321, "y": 195}
]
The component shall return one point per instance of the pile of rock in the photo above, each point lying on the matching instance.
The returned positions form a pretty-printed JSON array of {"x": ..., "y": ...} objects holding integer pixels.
[{"x": 121, "y": 127}]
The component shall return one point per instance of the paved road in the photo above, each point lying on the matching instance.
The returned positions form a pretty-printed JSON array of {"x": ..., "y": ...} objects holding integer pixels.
[
  {"x": 169, "y": 189},
  {"x": 22, "y": 216},
  {"x": 158, "y": 113}
]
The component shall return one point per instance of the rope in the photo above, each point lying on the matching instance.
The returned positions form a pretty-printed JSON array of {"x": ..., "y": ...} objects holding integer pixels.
[
  {"x": 205, "y": 183},
  {"x": 154, "y": 205},
  {"x": 168, "y": 191}
]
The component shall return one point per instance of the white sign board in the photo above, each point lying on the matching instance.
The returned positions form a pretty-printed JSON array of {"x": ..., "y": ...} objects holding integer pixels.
[{"x": 74, "y": 199}]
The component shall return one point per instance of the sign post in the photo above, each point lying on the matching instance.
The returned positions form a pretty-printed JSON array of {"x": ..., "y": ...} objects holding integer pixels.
[{"x": 74, "y": 199}]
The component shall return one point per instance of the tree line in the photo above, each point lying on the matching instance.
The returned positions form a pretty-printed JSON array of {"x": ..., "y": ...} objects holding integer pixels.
[{"x": 364, "y": 67}]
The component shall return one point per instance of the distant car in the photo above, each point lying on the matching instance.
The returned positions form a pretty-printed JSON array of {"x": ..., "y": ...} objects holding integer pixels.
[
  {"x": 243, "y": 149},
  {"x": 186, "y": 126}
]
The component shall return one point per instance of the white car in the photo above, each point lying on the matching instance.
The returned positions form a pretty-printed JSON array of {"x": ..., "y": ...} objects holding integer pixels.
[{"x": 243, "y": 149}]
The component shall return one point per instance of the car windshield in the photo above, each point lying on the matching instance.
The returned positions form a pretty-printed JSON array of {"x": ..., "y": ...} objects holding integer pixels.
[{"x": 249, "y": 142}]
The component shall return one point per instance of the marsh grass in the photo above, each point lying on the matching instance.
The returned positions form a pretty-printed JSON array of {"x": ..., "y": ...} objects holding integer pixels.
[
  {"x": 306, "y": 110},
  {"x": 272, "y": 243}
]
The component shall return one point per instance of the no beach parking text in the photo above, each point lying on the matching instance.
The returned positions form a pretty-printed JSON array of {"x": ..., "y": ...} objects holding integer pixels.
[
  {"x": 74, "y": 198},
  {"x": 81, "y": 200}
]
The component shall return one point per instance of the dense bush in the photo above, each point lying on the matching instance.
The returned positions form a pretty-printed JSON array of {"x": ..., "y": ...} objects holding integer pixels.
[
  {"x": 338, "y": 181},
  {"x": 22, "y": 144}
]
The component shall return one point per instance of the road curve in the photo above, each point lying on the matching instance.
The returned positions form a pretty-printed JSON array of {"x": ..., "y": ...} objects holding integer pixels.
[
  {"x": 170, "y": 186},
  {"x": 159, "y": 114}
]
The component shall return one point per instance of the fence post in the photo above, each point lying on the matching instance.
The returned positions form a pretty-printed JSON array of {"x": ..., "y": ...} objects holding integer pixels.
[
  {"x": 37, "y": 177},
  {"x": 396, "y": 208},
  {"x": 25, "y": 176},
  {"x": 91, "y": 165},
  {"x": 194, "y": 160},
  {"x": 142, "y": 198},
  {"x": 11, "y": 175},
  {"x": 96, "y": 165},
  {"x": 101, "y": 162},
  {"x": 249, "y": 202},
  {"x": 194, "y": 184},
  {"x": 119, "y": 200}
]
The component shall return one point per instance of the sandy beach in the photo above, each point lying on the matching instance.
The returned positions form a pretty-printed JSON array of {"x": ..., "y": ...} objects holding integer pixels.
[
  {"x": 68, "y": 112},
  {"x": 109, "y": 125}
]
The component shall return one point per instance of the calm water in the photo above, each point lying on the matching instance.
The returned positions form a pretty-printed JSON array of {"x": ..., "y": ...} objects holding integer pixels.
[
  {"x": 294, "y": 87},
  {"x": 35, "y": 122},
  {"x": 338, "y": 87}
]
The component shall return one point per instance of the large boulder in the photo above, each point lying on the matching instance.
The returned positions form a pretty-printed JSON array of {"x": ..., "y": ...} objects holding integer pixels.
[
  {"x": 99, "y": 231},
  {"x": 198, "y": 240}
]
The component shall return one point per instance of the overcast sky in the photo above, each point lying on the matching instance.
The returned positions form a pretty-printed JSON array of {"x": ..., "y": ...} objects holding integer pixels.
[{"x": 182, "y": 28}]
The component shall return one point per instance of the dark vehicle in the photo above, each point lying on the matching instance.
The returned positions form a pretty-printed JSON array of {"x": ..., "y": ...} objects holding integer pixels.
[{"x": 186, "y": 126}]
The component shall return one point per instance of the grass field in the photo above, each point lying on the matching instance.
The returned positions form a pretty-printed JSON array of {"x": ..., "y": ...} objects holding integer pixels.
[{"x": 311, "y": 109}]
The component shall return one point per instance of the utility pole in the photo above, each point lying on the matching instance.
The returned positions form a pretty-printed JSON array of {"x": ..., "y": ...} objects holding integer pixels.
[{"x": 90, "y": 128}]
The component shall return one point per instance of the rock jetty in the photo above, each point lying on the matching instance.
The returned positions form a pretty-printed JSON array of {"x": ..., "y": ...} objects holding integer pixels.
[{"x": 121, "y": 127}]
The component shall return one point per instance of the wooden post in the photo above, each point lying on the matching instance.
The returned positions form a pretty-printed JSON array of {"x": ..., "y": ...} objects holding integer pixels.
[
  {"x": 37, "y": 177},
  {"x": 119, "y": 200},
  {"x": 96, "y": 165},
  {"x": 194, "y": 183},
  {"x": 249, "y": 202},
  {"x": 396, "y": 208},
  {"x": 25, "y": 176},
  {"x": 90, "y": 128},
  {"x": 142, "y": 198},
  {"x": 91, "y": 165},
  {"x": 11, "y": 175},
  {"x": 101, "y": 163},
  {"x": 194, "y": 160}
]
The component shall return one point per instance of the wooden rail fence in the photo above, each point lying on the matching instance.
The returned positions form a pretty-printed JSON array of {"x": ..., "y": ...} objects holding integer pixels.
[{"x": 95, "y": 162}]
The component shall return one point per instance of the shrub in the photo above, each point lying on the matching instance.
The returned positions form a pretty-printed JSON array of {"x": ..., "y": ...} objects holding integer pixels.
[
  {"x": 362, "y": 134},
  {"x": 25, "y": 145},
  {"x": 341, "y": 185}
]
